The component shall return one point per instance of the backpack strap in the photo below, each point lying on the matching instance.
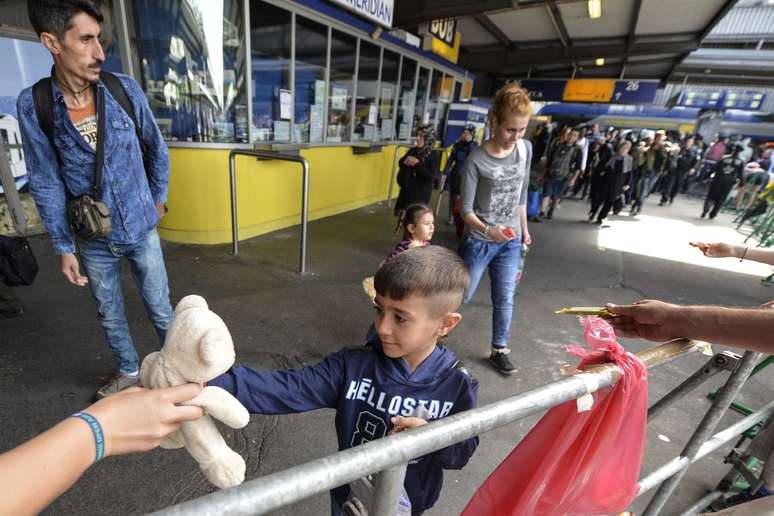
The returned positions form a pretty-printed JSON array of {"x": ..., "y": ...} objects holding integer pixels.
[
  {"x": 116, "y": 89},
  {"x": 43, "y": 97},
  {"x": 459, "y": 366}
]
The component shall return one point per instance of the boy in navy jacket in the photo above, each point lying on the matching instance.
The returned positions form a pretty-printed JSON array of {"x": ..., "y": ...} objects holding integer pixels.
[{"x": 377, "y": 389}]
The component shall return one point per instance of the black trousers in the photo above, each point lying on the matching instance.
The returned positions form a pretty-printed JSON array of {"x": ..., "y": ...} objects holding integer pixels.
[
  {"x": 672, "y": 184},
  {"x": 8, "y": 300},
  {"x": 718, "y": 191}
]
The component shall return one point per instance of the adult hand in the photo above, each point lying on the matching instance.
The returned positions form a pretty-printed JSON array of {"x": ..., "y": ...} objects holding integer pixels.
[
  {"x": 402, "y": 423},
  {"x": 626, "y": 188},
  {"x": 526, "y": 238},
  {"x": 496, "y": 233},
  {"x": 646, "y": 319},
  {"x": 410, "y": 161},
  {"x": 68, "y": 264},
  {"x": 767, "y": 306},
  {"x": 716, "y": 250},
  {"x": 135, "y": 419},
  {"x": 161, "y": 210}
]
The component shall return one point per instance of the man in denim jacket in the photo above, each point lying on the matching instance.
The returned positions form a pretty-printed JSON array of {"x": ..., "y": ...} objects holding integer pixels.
[{"x": 70, "y": 30}]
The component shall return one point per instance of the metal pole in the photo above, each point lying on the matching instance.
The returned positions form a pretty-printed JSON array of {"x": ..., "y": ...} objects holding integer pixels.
[
  {"x": 392, "y": 174},
  {"x": 388, "y": 490},
  {"x": 9, "y": 187},
  {"x": 271, "y": 492},
  {"x": 715, "y": 364},
  {"x": 304, "y": 215},
  {"x": 304, "y": 197},
  {"x": 716, "y": 441},
  {"x": 705, "y": 429},
  {"x": 700, "y": 505},
  {"x": 234, "y": 225}
]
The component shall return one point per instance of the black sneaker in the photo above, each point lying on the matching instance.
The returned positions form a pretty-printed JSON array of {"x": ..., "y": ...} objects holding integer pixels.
[
  {"x": 12, "y": 313},
  {"x": 499, "y": 359}
]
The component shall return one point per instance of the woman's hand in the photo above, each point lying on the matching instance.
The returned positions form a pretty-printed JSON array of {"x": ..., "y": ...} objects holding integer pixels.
[
  {"x": 136, "y": 419},
  {"x": 716, "y": 250},
  {"x": 410, "y": 161}
]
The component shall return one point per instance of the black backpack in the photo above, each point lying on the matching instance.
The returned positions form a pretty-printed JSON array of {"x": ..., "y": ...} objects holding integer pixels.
[
  {"x": 17, "y": 263},
  {"x": 43, "y": 96}
]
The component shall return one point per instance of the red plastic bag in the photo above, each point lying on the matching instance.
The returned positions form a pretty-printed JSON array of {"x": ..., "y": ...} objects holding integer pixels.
[{"x": 577, "y": 463}]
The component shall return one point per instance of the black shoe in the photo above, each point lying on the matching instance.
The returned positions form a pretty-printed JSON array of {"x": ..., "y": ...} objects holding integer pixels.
[
  {"x": 703, "y": 214},
  {"x": 499, "y": 359},
  {"x": 10, "y": 314},
  {"x": 598, "y": 223}
]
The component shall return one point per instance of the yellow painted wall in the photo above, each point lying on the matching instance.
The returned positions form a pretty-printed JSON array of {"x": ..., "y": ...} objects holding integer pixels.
[{"x": 268, "y": 192}]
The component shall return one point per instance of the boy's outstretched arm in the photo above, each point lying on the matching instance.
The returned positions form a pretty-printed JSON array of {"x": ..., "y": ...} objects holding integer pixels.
[{"x": 286, "y": 392}]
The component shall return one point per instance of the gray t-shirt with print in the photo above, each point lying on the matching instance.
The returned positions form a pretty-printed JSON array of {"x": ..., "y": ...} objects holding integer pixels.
[{"x": 494, "y": 188}]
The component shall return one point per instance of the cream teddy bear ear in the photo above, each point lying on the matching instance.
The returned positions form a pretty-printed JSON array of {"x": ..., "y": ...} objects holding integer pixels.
[
  {"x": 188, "y": 302},
  {"x": 211, "y": 346}
]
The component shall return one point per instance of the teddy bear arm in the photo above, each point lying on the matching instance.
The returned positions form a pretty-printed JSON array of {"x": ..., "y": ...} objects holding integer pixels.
[{"x": 221, "y": 405}]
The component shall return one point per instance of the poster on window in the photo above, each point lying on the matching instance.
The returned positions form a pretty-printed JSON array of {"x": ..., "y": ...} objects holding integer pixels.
[
  {"x": 319, "y": 92},
  {"x": 316, "y": 124},
  {"x": 285, "y": 101},
  {"x": 281, "y": 131},
  {"x": 387, "y": 127},
  {"x": 339, "y": 97},
  {"x": 385, "y": 103},
  {"x": 372, "y": 114}
]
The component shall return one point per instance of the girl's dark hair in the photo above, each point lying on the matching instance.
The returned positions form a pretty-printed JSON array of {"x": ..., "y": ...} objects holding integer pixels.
[
  {"x": 55, "y": 16},
  {"x": 412, "y": 215}
]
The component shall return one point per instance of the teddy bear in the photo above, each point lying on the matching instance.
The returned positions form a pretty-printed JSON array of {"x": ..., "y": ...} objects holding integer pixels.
[{"x": 198, "y": 348}]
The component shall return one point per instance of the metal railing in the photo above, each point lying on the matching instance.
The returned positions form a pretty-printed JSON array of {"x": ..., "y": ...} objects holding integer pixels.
[
  {"x": 388, "y": 456},
  {"x": 304, "y": 197}
]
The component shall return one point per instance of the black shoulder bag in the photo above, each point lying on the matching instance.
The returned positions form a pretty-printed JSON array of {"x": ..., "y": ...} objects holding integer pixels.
[{"x": 17, "y": 263}]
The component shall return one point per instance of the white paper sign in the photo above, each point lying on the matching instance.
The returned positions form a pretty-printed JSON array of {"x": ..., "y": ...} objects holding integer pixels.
[
  {"x": 372, "y": 114},
  {"x": 285, "y": 101}
]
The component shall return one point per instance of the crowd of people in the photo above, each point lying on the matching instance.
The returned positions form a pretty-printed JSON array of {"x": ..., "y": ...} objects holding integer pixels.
[{"x": 614, "y": 169}]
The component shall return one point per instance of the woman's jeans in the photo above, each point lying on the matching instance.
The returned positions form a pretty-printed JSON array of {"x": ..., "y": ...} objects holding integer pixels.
[
  {"x": 503, "y": 262},
  {"x": 102, "y": 265}
]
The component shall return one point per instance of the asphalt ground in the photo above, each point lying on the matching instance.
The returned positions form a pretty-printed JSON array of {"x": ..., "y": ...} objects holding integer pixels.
[{"x": 54, "y": 358}]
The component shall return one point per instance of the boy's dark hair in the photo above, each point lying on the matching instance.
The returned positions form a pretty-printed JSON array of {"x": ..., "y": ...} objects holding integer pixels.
[
  {"x": 430, "y": 271},
  {"x": 412, "y": 214},
  {"x": 55, "y": 16}
]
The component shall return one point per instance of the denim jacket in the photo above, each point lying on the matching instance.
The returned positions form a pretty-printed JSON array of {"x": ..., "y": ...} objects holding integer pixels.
[{"x": 125, "y": 186}]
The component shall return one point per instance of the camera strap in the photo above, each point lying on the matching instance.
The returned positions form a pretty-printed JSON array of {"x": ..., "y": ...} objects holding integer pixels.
[{"x": 99, "y": 98}]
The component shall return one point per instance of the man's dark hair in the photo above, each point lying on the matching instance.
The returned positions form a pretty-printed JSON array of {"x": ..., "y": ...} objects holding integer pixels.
[
  {"x": 55, "y": 16},
  {"x": 431, "y": 271}
]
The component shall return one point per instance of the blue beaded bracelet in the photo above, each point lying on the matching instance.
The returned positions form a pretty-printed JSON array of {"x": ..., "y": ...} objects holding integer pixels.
[{"x": 96, "y": 430}]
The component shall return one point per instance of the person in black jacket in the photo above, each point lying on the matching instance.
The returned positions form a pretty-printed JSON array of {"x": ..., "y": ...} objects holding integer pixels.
[
  {"x": 726, "y": 173},
  {"x": 457, "y": 157},
  {"x": 417, "y": 171}
]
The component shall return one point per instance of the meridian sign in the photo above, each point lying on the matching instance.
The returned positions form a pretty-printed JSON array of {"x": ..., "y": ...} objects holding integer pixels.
[{"x": 379, "y": 11}]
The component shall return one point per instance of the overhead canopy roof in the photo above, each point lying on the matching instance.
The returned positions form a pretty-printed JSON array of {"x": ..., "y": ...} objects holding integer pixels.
[{"x": 645, "y": 39}]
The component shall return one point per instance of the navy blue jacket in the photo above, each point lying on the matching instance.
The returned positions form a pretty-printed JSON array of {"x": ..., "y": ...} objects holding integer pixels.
[{"x": 367, "y": 388}]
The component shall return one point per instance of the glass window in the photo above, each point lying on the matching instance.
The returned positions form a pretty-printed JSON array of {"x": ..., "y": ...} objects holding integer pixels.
[
  {"x": 434, "y": 100},
  {"x": 311, "y": 60},
  {"x": 422, "y": 85},
  {"x": 406, "y": 101},
  {"x": 388, "y": 87},
  {"x": 23, "y": 64},
  {"x": 270, "y": 62},
  {"x": 342, "y": 75},
  {"x": 367, "y": 81},
  {"x": 193, "y": 68}
]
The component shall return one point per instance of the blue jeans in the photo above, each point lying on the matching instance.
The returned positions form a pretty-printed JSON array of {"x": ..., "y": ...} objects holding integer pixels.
[
  {"x": 102, "y": 265},
  {"x": 503, "y": 261},
  {"x": 648, "y": 178}
]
